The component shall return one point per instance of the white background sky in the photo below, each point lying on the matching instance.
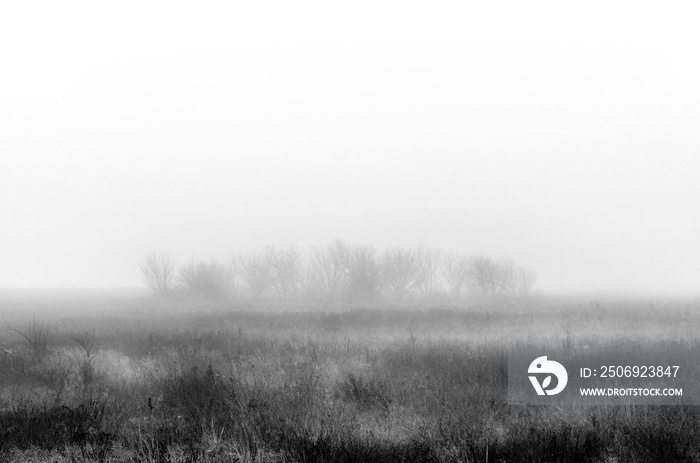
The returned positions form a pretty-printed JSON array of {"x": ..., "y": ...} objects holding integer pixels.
[{"x": 564, "y": 136}]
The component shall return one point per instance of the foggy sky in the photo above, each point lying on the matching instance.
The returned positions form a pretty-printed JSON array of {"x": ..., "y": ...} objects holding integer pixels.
[{"x": 563, "y": 136}]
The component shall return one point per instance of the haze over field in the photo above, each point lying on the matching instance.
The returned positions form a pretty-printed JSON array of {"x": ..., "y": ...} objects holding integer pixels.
[{"x": 565, "y": 137}]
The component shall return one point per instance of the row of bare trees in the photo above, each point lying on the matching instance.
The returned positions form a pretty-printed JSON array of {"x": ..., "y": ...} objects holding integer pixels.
[{"x": 339, "y": 271}]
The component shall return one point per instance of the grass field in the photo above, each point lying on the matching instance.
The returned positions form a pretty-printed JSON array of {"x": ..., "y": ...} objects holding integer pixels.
[{"x": 147, "y": 381}]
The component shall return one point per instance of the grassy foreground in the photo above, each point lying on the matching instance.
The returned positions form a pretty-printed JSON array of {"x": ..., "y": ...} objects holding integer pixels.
[{"x": 148, "y": 382}]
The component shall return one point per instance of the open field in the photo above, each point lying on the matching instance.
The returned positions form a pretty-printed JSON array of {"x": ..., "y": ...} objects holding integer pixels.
[{"x": 146, "y": 381}]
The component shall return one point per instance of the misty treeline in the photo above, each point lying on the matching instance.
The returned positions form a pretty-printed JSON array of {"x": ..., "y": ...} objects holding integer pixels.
[{"x": 338, "y": 271}]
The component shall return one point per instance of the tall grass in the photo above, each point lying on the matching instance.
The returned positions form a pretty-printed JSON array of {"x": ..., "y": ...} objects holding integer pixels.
[{"x": 401, "y": 384}]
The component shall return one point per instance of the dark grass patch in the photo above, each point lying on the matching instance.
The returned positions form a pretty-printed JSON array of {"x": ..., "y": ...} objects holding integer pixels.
[{"x": 55, "y": 427}]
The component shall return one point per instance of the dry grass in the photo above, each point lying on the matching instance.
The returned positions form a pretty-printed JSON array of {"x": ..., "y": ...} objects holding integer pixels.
[{"x": 402, "y": 383}]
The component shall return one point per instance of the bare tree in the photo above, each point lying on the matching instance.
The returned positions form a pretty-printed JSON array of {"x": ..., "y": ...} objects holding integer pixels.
[
  {"x": 506, "y": 278},
  {"x": 455, "y": 271},
  {"x": 484, "y": 274},
  {"x": 499, "y": 278},
  {"x": 428, "y": 263},
  {"x": 235, "y": 263},
  {"x": 328, "y": 270},
  {"x": 158, "y": 273},
  {"x": 398, "y": 267},
  {"x": 210, "y": 279},
  {"x": 527, "y": 278},
  {"x": 255, "y": 274},
  {"x": 364, "y": 274},
  {"x": 285, "y": 267}
]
